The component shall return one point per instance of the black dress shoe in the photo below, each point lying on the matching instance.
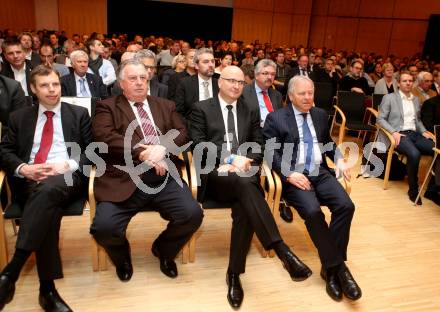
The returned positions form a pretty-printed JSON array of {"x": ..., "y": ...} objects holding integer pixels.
[
  {"x": 412, "y": 197},
  {"x": 52, "y": 302},
  {"x": 434, "y": 196},
  {"x": 235, "y": 291},
  {"x": 349, "y": 286},
  {"x": 332, "y": 284},
  {"x": 286, "y": 213},
  {"x": 167, "y": 266},
  {"x": 7, "y": 290},
  {"x": 297, "y": 269},
  {"x": 125, "y": 270}
]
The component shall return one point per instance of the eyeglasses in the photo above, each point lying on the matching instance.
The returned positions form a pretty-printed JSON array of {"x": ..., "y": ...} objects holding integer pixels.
[
  {"x": 267, "y": 74},
  {"x": 357, "y": 67},
  {"x": 234, "y": 81},
  {"x": 148, "y": 67}
]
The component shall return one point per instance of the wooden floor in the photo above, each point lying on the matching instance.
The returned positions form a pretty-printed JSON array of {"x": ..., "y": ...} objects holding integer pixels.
[{"x": 394, "y": 254}]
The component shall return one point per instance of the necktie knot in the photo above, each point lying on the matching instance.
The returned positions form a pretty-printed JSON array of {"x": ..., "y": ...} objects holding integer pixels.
[
  {"x": 49, "y": 114},
  {"x": 205, "y": 84},
  {"x": 229, "y": 107},
  {"x": 304, "y": 115},
  {"x": 138, "y": 104}
]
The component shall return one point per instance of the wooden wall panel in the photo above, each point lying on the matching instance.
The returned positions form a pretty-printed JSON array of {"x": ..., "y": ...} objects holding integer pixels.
[
  {"x": 346, "y": 33},
  {"x": 260, "y": 5},
  {"x": 317, "y": 31},
  {"x": 373, "y": 35},
  {"x": 376, "y": 8},
  {"x": 302, "y": 6},
  {"x": 249, "y": 25},
  {"x": 17, "y": 15},
  {"x": 46, "y": 14},
  {"x": 416, "y": 9},
  {"x": 344, "y": 7},
  {"x": 320, "y": 7},
  {"x": 83, "y": 16},
  {"x": 331, "y": 32},
  {"x": 283, "y": 6},
  {"x": 281, "y": 29},
  {"x": 299, "y": 32},
  {"x": 407, "y": 37}
]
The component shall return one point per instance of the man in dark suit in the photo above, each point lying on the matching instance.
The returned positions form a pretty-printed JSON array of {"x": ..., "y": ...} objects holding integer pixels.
[
  {"x": 308, "y": 183},
  {"x": 174, "y": 80},
  {"x": 430, "y": 113},
  {"x": 16, "y": 66},
  {"x": 327, "y": 74},
  {"x": 25, "y": 39},
  {"x": 227, "y": 117},
  {"x": 37, "y": 161},
  {"x": 123, "y": 193},
  {"x": 302, "y": 69},
  {"x": 198, "y": 87},
  {"x": 11, "y": 98},
  {"x": 80, "y": 83}
]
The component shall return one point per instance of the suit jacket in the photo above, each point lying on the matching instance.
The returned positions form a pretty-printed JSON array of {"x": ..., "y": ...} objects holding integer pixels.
[
  {"x": 188, "y": 93},
  {"x": 35, "y": 59},
  {"x": 156, "y": 88},
  {"x": 173, "y": 83},
  {"x": 430, "y": 113},
  {"x": 16, "y": 146},
  {"x": 282, "y": 126},
  {"x": 96, "y": 86},
  {"x": 295, "y": 71},
  {"x": 381, "y": 86},
  {"x": 112, "y": 118},
  {"x": 391, "y": 115},
  {"x": 12, "y": 98},
  {"x": 416, "y": 92},
  {"x": 320, "y": 75},
  {"x": 7, "y": 71},
  {"x": 250, "y": 97},
  {"x": 207, "y": 125}
]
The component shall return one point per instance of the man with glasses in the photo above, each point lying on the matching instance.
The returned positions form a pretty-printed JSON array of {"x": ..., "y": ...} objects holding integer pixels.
[
  {"x": 423, "y": 89},
  {"x": 354, "y": 81},
  {"x": 227, "y": 121}
]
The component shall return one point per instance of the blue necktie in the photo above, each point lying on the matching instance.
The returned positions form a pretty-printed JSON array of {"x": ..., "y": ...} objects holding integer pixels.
[
  {"x": 82, "y": 88},
  {"x": 308, "y": 146}
]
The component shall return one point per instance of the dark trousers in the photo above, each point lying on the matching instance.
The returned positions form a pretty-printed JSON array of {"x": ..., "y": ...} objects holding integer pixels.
[
  {"x": 414, "y": 145},
  {"x": 40, "y": 223},
  {"x": 174, "y": 203},
  {"x": 330, "y": 240},
  {"x": 250, "y": 213}
]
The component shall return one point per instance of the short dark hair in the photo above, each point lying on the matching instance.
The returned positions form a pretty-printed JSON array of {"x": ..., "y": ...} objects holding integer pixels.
[
  {"x": 11, "y": 42},
  {"x": 41, "y": 70},
  {"x": 47, "y": 46}
]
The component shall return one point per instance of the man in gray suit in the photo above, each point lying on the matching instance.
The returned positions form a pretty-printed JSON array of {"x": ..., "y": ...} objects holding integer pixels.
[{"x": 399, "y": 113}]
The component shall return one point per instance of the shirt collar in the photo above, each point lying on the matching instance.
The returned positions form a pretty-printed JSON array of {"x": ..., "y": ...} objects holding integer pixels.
[
  {"x": 133, "y": 106},
  {"x": 223, "y": 103},
  {"x": 201, "y": 80},
  {"x": 19, "y": 70},
  {"x": 404, "y": 97},
  {"x": 297, "y": 112},
  {"x": 56, "y": 110},
  {"x": 258, "y": 89},
  {"x": 77, "y": 77}
]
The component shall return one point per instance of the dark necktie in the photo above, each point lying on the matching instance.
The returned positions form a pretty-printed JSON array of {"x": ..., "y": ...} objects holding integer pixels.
[
  {"x": 303, "y": 72},
  {"x": 151, "y": 137},
  {"x": 46, "y": 139},
  {"x": 267, "y": 102},
  {"x": 231, "y": 130},
  {"x": 308, "y": 146}
]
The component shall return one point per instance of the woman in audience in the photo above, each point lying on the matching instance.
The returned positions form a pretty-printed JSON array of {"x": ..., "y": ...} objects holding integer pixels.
[
  {"x": 225, "y": 61},
  {"x": 387, "y": 84},
  {"x": 178, "y": 65},
  {"x": 377, "y": 73}
]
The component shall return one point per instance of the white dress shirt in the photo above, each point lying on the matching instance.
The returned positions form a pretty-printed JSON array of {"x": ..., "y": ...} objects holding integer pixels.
[
  {"x": 263, "y": 109},
  {"x": 409, "y": 115},
  {"x": 146, "y": 108},
  {"x": 202, "y": 88},
  {"x": 225, "y": 112},
  {"x": 317, "y": 157},
  {"x": 78, "y": 85},
  {"x": 20, "y": 76}
]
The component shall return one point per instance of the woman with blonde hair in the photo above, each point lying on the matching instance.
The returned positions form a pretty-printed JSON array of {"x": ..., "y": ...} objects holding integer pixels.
[
  {"x": 387, "y": 84},
  {"x": 178, "y": 65}
]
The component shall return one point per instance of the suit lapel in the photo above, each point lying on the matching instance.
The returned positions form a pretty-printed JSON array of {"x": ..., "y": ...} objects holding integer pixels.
[
  {"x": 155, "y": 111},
  {"x": 241, "y": 121},
  {"x": 123, "y": 104},
  {"x": 154, "y": 90},
  {"x": 215, "y": 89},
  {"x": 91, "y": 85},
  {"x": 28, "y": 130},
  {"x": 399, "y": 104},
  {"x": 316, "y": 124},
  {"x": 292, "y": 125},
  {"x": 66, "y": 122},
  {"x": 195, "y": 83}
]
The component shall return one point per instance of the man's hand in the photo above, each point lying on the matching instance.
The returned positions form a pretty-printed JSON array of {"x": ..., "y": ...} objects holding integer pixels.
[
  {"x": 152, "y": 153},
  {"x": 397, "y": 136},
  {"x": 341, "y": 168},
  {"x": 428, "y": 135},
  {"x": 300, "y": 181},
  {"x": 242, "y": 163},
  {"x": 227, "y": 168},
  {"x": 41, "y": 172},
  {"x": 356, "y": 89}
]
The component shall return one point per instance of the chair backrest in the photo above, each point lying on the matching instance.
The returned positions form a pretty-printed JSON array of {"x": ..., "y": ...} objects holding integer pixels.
[
  {"x": 324, "y": 96},
  {"x": 352, "y": 104},
  {"x": 87, "y": 102},
  {"x": 377, "y": 99}
]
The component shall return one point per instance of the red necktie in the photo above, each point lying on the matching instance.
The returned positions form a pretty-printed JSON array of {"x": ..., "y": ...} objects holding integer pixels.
[
  {"x": 46, "y": 139},
  {"x": 267, "y": 102},
  {"x": 151, "y": 137}
]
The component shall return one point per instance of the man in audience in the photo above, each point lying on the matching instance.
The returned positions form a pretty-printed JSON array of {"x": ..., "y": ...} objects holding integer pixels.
[
  {"x": 423, "y": 89},
  {"x": 165, "y": 57},
  {"x": 414, "y": 71},
  {"x": 16, "y": 66},
  {"x": 80, "y": 83},
  {"x": 328, "y": 74},
  {"x": 174, "y": 80},
  {"x": 222, "y": 120},
  {"x": 54, "y": 43},
  {"x": 25, "y": 39},
  {"x": 399, "y": 114},
  {"x": 308, "y": 182},
  {"x": 301, "y": 70},
  {"x": 197, "y": 87},
  {"x": 46, "y": 55},
  {"x": 282, "y": 72},
  {"x": 354, "y": 81},
  {"x": 44, "y": 178},
  {"x": 430, "y": 113},
  {"x": 122, "y": 193},
  {"x": 64, "y": 59},
  {"x": 98, "y": 65}
]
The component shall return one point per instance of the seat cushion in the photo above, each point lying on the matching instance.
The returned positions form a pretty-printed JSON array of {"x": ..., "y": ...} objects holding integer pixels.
[{"x": 76, "y": 208}]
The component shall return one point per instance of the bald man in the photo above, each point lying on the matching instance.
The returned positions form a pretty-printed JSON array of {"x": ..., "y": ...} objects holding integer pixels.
[{"x": 210, "y": 121}]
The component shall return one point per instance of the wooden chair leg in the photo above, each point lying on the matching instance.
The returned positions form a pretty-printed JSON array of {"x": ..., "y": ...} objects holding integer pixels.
[
  {"x": 185, "y": 253},
  {"x": 3, "y": 244},
  {"x": 192, "y": 249},
  {"x": 102, "y": 259},
  {"x": 388, "y": 168},
  {"x": 95, "y": 256}
]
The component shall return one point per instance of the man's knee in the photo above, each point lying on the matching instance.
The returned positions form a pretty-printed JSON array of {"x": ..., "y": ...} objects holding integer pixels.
[
  {"x": 105, "y": 231},
  {"x": 192, "y": 215}
]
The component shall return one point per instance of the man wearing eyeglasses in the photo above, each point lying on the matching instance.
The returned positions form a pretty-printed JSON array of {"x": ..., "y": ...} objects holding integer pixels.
[
  {"x": 227, "y": 121},
  {"x": 354, "y": 81}
]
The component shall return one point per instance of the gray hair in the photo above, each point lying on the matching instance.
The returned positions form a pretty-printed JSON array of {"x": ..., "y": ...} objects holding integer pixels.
[
  {"x": 177, "y": 58},
  {"x": 294, "y": 81},
  {"x": 145, "y": 53},
  {"x": 133, "y": 61},
  {"x": 127, "y": 56},
  {"x": 77, "y": 54},
  {"x": 200, "y": 52},
  {"x": 421, "y": 76},
  {"x": 264, "y": 63}
]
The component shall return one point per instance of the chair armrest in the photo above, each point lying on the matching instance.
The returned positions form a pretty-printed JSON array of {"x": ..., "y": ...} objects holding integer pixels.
[
  {"x": 389, "y": 136},
  {"x": 183, "y": 170},
  {"x": 278, "y": 190},
  {"x": 373, "y": 111},
  {"x": 343, "y": 122},
  {"x": 92, "y": 201},
  {"x": 192, "y": 176},
  {"x": 4, "y": 186},
  {"x": 431, "y": 134},
  {"x": 265, "y": 171}
]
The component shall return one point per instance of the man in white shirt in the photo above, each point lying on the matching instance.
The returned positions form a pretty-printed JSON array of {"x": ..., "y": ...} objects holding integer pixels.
[
  {"x": 26, "y": 41},
  {"x": 40, "y": 170},
  {"x": 98, "y": 65}
]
